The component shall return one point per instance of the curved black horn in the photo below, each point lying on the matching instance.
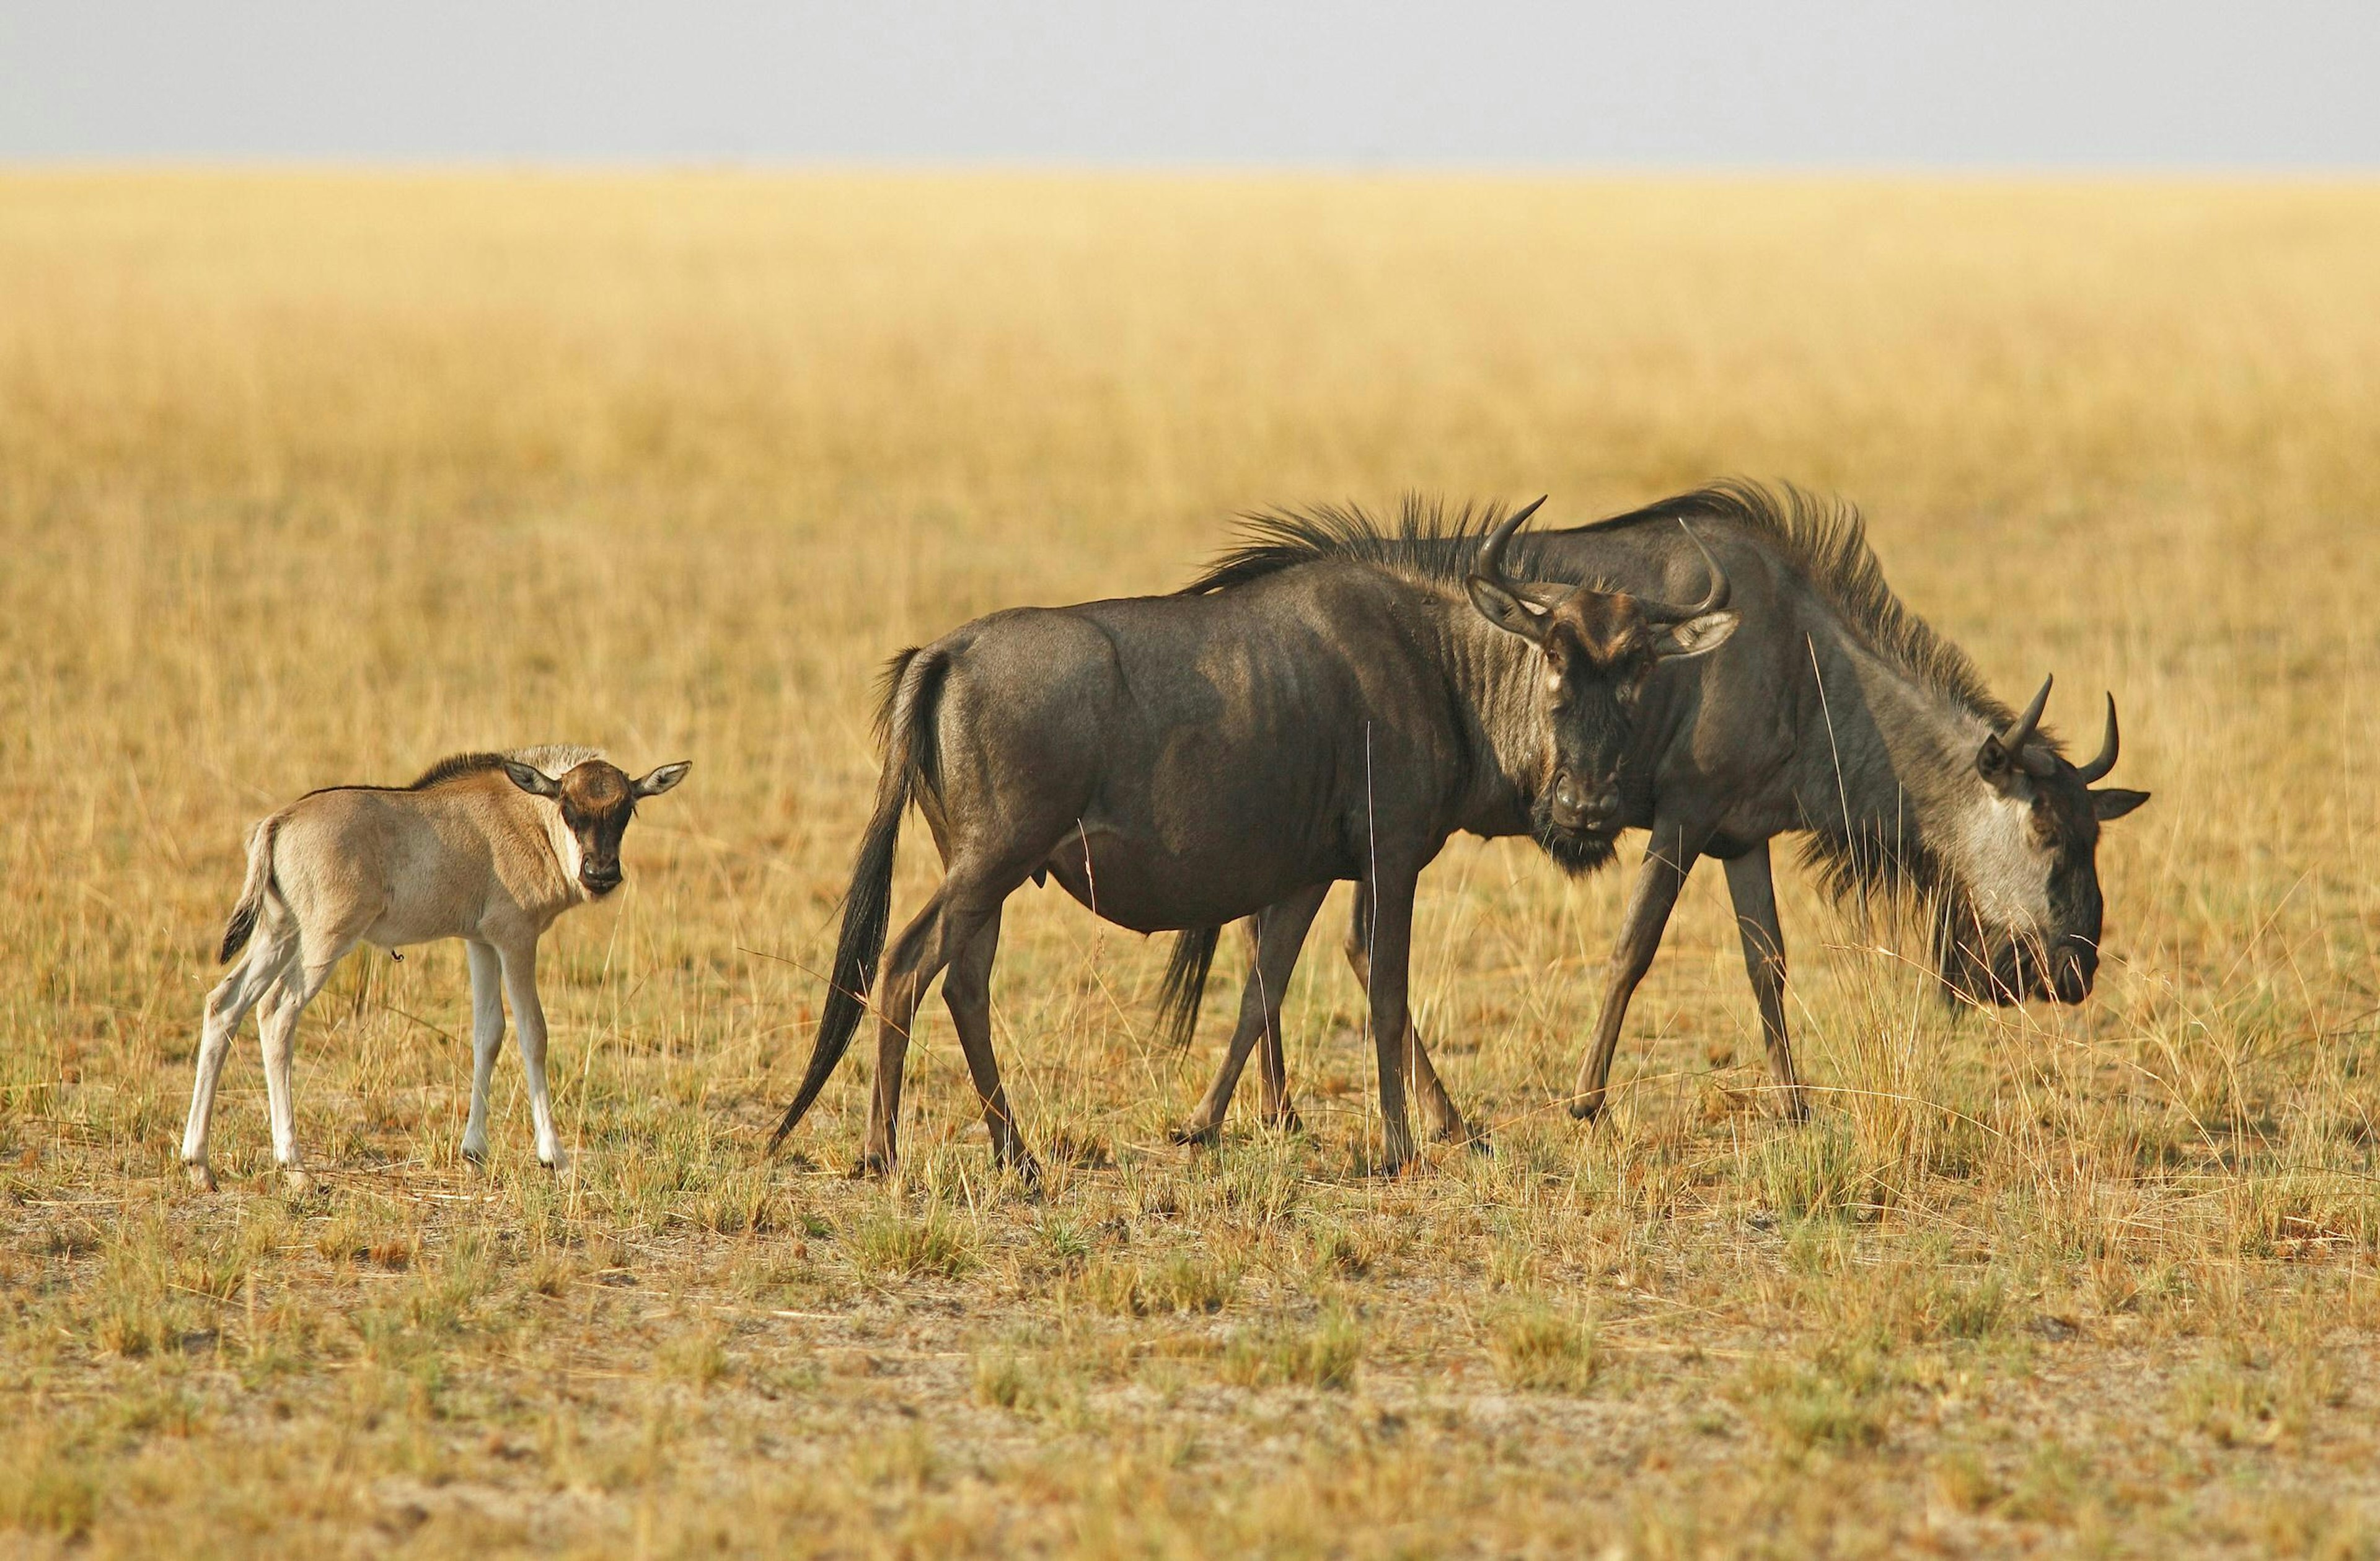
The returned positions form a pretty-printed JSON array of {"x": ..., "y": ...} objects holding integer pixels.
[
  {"x": 2096, "y": 770},
  {"x": 2017, "y": 736},
  {"x": 1489, "y": 564},
  {"x": 1712, "y": 599}
]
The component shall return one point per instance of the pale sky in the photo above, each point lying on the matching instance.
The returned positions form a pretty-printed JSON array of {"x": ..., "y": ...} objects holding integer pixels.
[{"x": 2082, "y": 84}]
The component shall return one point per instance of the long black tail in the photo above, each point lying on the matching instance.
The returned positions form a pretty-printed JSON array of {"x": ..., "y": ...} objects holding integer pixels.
[
  {"x": 1185, "y": 983},
  {"x": 905, "y": 725}
]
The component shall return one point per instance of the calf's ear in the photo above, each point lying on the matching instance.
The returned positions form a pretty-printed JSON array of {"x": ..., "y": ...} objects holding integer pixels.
[
  {"x": 661, "y": 780},
  {"x": 1695, "y": 636},
  {"x": 2114, "y": 801},
  {"x": 529, "y": 778}
]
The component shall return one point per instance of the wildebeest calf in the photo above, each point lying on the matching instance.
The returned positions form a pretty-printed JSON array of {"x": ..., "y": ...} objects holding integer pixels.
[
  {"x": 1180, "y": 762},
  {"x": 489, "y": 848}
]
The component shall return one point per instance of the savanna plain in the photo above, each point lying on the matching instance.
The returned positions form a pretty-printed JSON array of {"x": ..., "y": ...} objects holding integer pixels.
[{"x": 309, "y": 478}]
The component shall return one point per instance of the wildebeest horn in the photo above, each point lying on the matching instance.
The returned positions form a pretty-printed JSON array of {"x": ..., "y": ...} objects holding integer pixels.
[
  {"x": 1489, "y": 565},
  {"x": 1712, "y": 599},
  {"x": 2017, "y": 736},
  {"x": 2096, "y": 770}
]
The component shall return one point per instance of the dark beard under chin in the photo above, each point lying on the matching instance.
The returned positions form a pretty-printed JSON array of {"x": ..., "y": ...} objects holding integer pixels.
[{"x": 1573, "y": 853}]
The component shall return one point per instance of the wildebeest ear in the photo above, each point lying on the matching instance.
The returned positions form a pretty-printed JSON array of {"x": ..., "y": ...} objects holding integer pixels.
[
  {"x": 661, "y": 780},
  {"x": 2114, "y": 801},
  {"x": 529, "y": 778},
  {"x": 1512, "y": 613},
  {"x": 1993, "y": 763},
  {"x": 1695, "y": 636}
]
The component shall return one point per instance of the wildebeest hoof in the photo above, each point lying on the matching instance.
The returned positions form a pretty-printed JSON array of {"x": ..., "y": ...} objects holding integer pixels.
[
  {"x": 871, "y": 1167},
  {"x": 559, "y": 1164},
  {"x": 1585, "y": 1109},
  {"x": 1286, "y": 1121},
  {"x": 297, "y": 1183},
  {"x": 202, "y": 1177},
  {"x": 477, "y": 1154},
  {"x": 1191, "y": 1136}
]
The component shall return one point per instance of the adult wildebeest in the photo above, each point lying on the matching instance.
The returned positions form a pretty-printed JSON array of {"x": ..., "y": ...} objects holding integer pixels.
[
  {"x": 1183, "y": 761},
  {"x": 489, "y": 848},
  {"x": 1837, "y": 713}
]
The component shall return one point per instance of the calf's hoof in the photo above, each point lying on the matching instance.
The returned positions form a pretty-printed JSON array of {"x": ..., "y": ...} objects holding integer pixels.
[
  {"x": 202, "y": 1177},
  {"x": 559, "y": 1164}
]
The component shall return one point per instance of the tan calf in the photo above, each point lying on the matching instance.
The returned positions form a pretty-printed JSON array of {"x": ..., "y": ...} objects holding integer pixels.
[{"x": 489, "y": 848}]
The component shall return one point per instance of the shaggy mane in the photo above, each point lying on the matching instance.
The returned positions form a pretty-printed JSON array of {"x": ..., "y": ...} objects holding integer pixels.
[
  {"x": 1823, "y": 540},
  {"x": 1826, "y": 541},
  {"x": 1427, "y": 541}
]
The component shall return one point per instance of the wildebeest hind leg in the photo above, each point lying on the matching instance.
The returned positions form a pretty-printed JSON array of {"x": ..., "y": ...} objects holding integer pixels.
[
  {"x": 1276, "y": 934},
  {"x": 1446, "y": 1123},
  {"x": 923, "y": 948},
  {"x": 1750, "y": 886},
  {"x": 966, "y": 992}
]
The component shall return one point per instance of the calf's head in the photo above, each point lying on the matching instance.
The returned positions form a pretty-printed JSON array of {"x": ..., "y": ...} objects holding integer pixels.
[
  {"x": 1599, "y": 651},
  {"x": 2026, "y": 922},
  {"x": 597, "y": 800}
]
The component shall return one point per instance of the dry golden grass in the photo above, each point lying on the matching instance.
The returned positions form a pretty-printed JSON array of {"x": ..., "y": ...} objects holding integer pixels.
[{"x": 311, "y": 478}]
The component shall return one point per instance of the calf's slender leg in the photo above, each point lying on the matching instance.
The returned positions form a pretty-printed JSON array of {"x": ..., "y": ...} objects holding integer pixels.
[
  {"x": 519, "y": 964},
  {"x": 1650, "y": 899},
  {"x": 297, "y": 987},
  {"x": 1753, "y": 888},
  {"x": 487, "y": 1041},
  {"x": 1446, "y": 1123},
  {"x": 228, "y": 1005},
  {"x": 1275, "y": 936},
  {"x": 966, "y": 992}
]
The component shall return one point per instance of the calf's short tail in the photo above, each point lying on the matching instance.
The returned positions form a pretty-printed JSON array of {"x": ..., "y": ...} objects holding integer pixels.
[
  {"x": 904, "y": 721},
  {"x": 242, "y": 924}
]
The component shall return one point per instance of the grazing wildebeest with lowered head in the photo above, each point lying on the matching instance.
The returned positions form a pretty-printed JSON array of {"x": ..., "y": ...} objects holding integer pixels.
[
  {"x": 1836, "y": 713},
  {"x": 1182, "y": 761},
  {"x": 489, "y": 848}
]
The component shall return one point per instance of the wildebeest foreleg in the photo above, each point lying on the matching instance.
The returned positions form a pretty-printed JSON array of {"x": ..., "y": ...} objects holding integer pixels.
[
  {"x": 1446, "y": 1123},
  {"x": 1276, "y": 934},
  {"x": 487, "y": 1041},
  {"x": 966, "y": 992},
  {"x": 1392, "y": 900},
  {"x": 1666, "y": 859},
  {"x": 519, "y": 965},
  {"x": 1754, "y": 891}
]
